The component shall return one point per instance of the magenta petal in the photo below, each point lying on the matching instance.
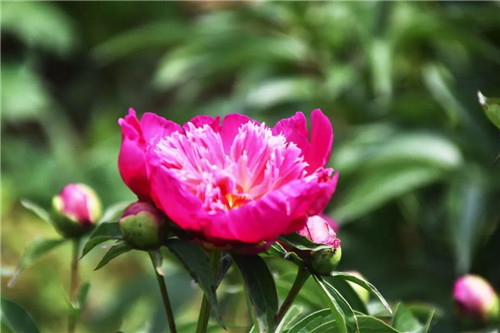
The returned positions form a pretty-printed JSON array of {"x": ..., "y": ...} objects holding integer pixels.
[
  {"x": 199, "y": 121},
  {"x": 179, "y": 205},
  {"x": 230, "y": 127},
  {"x": 321, "y": 141},
  {"x": 295, "y": 130},
  {"x": 265, "y": 219},
  {"x": 155, "y": 127}
]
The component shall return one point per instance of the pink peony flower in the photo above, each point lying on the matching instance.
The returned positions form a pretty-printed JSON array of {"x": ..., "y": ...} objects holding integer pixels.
[
  {"x": 475, "y": 298},
  {"x": 237, "y": 181},
  {"x": 331, "y": 221},
  {"x": 319, "y": 231}
]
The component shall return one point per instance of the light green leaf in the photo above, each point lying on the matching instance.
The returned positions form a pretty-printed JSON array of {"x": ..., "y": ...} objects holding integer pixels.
[
  {"x": 14, "y": 318},
  {"x": 376, "y": 187},
  {"x": 334, "y": 306},
  {"x": 39, "y": 211},
  {"x": 315, "y": 319},
  {"x": 348, "y": 313},
  {"x": 118, "y": 249},
  {"x": 491, "y": 107},
  {"x": 405, "y": 321},
  {"x": 293, "y": 313},
  {"x": 103, "y": 232},
  {"x": 365, "y": 284},
  {"x": 261, "y": 289},
  {"x": 32, "y": 252}
]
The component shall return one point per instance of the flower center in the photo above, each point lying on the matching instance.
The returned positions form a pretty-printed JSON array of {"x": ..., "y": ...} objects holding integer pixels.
[{"x": 257, "y": 163}]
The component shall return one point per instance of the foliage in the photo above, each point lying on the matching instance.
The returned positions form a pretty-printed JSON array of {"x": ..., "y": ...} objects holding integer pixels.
[{"x": 418, "y": 193}]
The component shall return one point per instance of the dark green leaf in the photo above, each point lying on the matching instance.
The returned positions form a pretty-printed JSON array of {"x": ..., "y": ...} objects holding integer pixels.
[
  {"x": 197, "y": 263},
  {"x": 102, "y": 233},
  {"x": 405, "y": 321},
  {"x": 334, "y": 306},
  {"x": 349, "y": 293},
  {"x": 365, "y": 284},
  {"x": 15, "y": 318},
  {"x": 302, "y": 243},
  {"x": 119, "y": 248},
  {"x": 343, "y": 306},
  {"x": 32, "y": 252},
  {"x": 261, "y": 289}
]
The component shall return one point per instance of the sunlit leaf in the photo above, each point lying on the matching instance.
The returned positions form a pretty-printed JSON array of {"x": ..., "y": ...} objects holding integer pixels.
[
  {"x": 118, "y": 249},
  {"x": 491, "y": 107},
  {"x": 103, "y": 232}
]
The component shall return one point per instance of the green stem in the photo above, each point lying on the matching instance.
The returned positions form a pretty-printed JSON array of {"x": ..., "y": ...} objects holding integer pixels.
[
  {"x": 164, "y": 295},
  {"x": 300, "y": 279},
  {"x": 73, "y": 291},
  {"x": 205, "y": 304}
]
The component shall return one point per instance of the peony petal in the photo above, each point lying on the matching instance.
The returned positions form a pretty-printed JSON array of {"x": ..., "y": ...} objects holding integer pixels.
[
  {"x": 295, "y": 130},
  {"x": 321, "y": 141},
  {"x": 230, "y": 127},
  {"x": 155, "y": 127},
  {"x": 199, "y": 121}
]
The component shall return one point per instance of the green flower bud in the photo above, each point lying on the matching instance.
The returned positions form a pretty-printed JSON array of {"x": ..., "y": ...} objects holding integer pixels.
[
  {"x": 143, "y": 226},
  {"x": 325, "y": 261},
  {"x": 75, "y": 210}
]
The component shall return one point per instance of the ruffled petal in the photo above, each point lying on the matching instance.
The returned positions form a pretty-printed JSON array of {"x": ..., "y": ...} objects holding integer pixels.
[
  {"x": 155, "y": 127},
  {"x": 199, "y": 121},
  {"x": 295, "y": 130}
]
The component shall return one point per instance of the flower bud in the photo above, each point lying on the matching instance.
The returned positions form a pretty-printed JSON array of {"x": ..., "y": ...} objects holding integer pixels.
[
  {"x": 319, "y": 231},
  {"x": 143, "y": 226},
  {"x": 475, "y": 298},
  {"x": 75, "y": 210}
]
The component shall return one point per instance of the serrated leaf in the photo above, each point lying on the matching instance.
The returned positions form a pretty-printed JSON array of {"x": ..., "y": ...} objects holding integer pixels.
[
  {"x": 15, "y": 318},
  {"x": 103, "y": 232},
  {"x": 365, "y": 284},
  {"x": 260, "y": 288},
  {"x": 118, "y": 249},
  {"x": 197, "y": 263},
  {"x": 301, "y": 243},
  {"x": 32, "y": 252},
  {"x": 341, "y": 305},
  {"x": 39, "y": 211}
]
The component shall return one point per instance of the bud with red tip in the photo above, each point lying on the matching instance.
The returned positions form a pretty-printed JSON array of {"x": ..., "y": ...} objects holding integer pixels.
[
  {"x": 319, "y": 231},
  {"x": 476, "y": 299},
  {"x": 143, "y": 226},
  {"x": 75, "y": 210}
]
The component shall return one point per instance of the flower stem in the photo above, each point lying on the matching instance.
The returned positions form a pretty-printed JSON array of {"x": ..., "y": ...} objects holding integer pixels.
[
  {"x": 73, "y": 291},
  {"x": 164, "y": 295},
  {"x": 300, "y": 279},
  {"x": 205, "y": 304}
]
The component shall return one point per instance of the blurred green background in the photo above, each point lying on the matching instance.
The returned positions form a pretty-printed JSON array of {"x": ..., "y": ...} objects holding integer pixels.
[{"x": 418, "y": 199}]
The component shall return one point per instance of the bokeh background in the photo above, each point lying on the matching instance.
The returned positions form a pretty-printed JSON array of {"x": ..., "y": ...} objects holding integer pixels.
[{"x": 418, "y": 201}]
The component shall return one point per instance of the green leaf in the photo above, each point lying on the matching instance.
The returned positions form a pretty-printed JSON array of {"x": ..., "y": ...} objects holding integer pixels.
[
  {"x": 334, "y": 306},
  {"x": 32, "y": 252},
  {"x": 119, "y": 248},
  {"x": 39, "y": 211},
  {"x": 15, "y": 318},
  {"x": 491, "y": 107},
  {"x": 102, "y": 233},
  {"x": 113, "y": 212},
  {"x": 80, "y": 303},
  {"x": 405, "y": 321},
  {"x": 344, "y": 307},
  {"x": 277, "y": 250},
  {"x": 301, "y": 243},
  {"x": 315, "y": 319},
  {"x": 365, "y": 284},
  {"x": 349, "y": 293},
  {"x": 369, "y": 324},
  {"x": 293, "y": 313},
  {"x": 261, "y": 289},
  {"x": 383, "y": 184},
  {"x": 197, "y": 263}
]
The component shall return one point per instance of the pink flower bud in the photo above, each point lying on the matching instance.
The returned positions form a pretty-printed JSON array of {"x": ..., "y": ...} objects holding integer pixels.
[
  {"x": 319, "y": 231},
  {"x": 143, "y": 226},
  {"x": 475, "y": 298},
  {"x": 75, "y": 209}
]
